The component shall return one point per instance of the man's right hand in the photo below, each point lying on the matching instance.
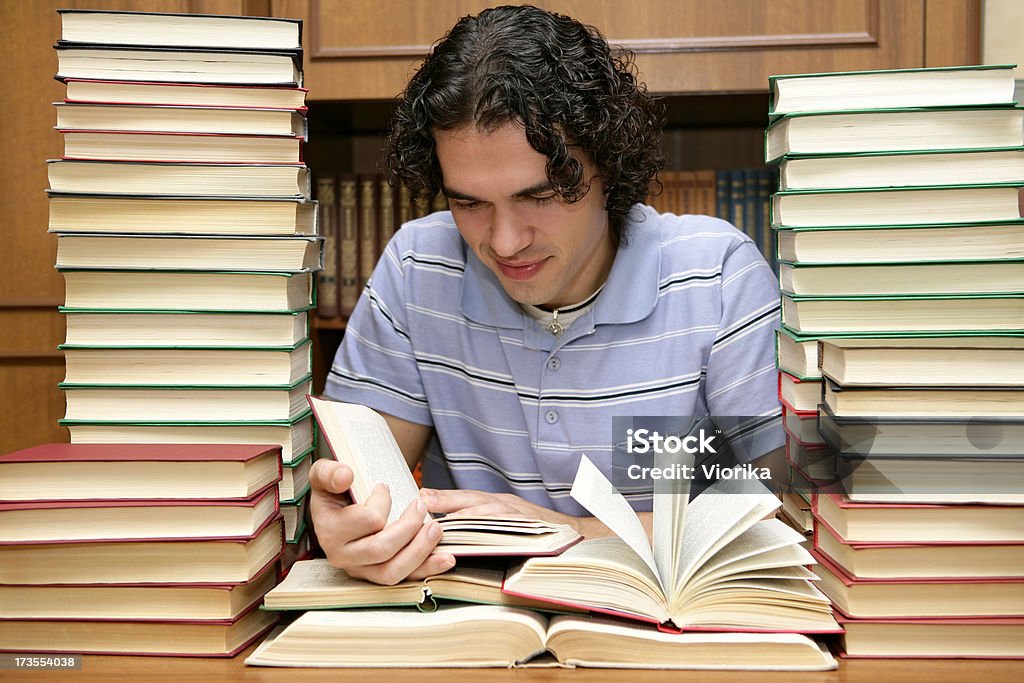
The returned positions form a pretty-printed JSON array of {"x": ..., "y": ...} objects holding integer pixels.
[{"x": 357, "y": 538}]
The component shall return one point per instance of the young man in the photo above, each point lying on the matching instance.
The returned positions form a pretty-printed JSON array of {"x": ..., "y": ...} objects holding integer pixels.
[{"x": 503, "y": 337}]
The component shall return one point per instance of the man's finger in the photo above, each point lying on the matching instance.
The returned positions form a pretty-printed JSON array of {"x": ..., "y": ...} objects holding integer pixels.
[
  {"x": 453, "y": 501},
  {"x": 330, "y": 476},
  {"x": 411, "y": 557},
  {"x": 385, "y": 544}
]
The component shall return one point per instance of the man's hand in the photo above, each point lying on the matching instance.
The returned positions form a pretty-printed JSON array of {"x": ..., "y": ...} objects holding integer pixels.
[
  {"x": 355, "y": 537},
  {"x": 482, "y": 504}
]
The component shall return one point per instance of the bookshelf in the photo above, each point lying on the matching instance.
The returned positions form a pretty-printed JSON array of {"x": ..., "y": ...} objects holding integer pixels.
[{"x": 711, "y": 60}]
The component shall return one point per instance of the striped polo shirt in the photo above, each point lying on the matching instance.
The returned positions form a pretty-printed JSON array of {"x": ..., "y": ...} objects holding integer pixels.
[{"x": 683, "y": 327}]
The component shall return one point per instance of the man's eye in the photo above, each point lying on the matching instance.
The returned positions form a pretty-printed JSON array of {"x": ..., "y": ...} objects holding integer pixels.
[
  {"x": 464, "y": 206},
  {"x": 542, "y": 199}
]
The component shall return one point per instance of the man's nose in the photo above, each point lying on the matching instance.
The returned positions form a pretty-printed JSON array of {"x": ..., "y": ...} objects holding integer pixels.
[{"x": 509, "y": 235}]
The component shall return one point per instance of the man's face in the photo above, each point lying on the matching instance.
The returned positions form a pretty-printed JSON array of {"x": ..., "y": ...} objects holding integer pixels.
[{"x": 543, "y": 250}]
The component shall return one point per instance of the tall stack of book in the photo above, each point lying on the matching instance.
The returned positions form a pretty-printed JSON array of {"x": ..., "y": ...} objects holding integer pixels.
[
  {"x": 901, "y": 248},
  {"x": 186, "y": 235},
  {"x": 142, "y": 549}
]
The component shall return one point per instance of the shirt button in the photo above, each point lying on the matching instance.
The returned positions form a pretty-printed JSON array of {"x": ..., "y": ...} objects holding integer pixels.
[
  {"x": 554, "y": 363},
  {"x": 551, "y": 417}
]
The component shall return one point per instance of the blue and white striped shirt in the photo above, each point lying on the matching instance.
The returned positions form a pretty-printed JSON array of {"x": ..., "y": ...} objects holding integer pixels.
[{"x": 684, "y": 326}]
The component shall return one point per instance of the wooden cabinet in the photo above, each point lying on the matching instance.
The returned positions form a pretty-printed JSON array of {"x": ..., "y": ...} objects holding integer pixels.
[{"x": 364, "y": 49}]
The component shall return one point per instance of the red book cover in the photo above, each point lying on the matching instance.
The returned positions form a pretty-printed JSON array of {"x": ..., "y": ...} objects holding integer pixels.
[
  {"x": 77, "y": 636},
  {"x": 266, "y": 498},
  {"x": 141, "y": 563},
  {"x": 77, "y": 471},
  {"x": 969, "y": 638},
  {"x": 791, "y": 394}
]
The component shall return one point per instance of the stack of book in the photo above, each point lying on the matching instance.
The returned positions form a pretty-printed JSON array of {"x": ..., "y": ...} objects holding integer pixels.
[
  {"x": 142, "y": 549},
  {"x": 186, "y": 235},
  {"x": 901, "y": 248},
  {"x": 720, "y": 587}
]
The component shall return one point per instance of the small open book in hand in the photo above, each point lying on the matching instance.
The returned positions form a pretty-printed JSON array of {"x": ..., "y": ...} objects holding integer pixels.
[
  {"x": 360, "y": 438},
  {"x": 714, "y": 564}
]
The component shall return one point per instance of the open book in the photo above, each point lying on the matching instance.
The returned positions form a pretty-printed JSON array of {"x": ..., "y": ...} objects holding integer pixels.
[
  {"x": 486, "y": 635},
  {"x": 360, "y": 438},
  {"x": 714, "y": 564},
  {"x": 315, "y": 584}
]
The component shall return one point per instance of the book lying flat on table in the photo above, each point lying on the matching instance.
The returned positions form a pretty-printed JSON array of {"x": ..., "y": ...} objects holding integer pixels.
[
  {"x": 178, "y": 179},
  {"x": 164, "y": 403},
  {"x": 797, "y": 355},
  {"x": 200, "y": 94},
  {"x": 714, "y": 564},
  {"x": 217, "y": 560},
  {"x": 919, "y": 560},
  {"x": 140, "y": 328},
  {"x": 898, "y": 243},
  {"x": 931, "y": 87},
  {"x": 113, "y": 520},
  {"x": 924, "y": 401},
  {"x": 962, "y": 277},
  {"x": 909, "y": 130},
  {"x": 213, "y": 561},
  {"x": 166, "y": 28},
  {"x": 150, "y": 603},
  {"x": 493, "y": 636},
  {"x": 178, "y": 65},
  {"x": 181, "y": 215},
  {"x": 996, "y": 638},
  {"x": 919, "y": 523},
  {"x": 902, "y": 169},
  {"x": 181, "y": 147},
  {"x": 126, "y": 471},
  {"x": 187, "y": 291},
  {"x": 173, "y": 367},
  {"x": 224, "y": 638},
  {"x": 360, "y": 438},
  {"x": 965, "y": 361},
  {"x": 800, "y": 395},
  {"x": 315, "y": 584},
  {"x": 951, "y": 314},
  {"x": 897, "y": 206},
  {"x": 194, "y": 252},
  {"x": 919, "y": 598},
  {"x": 180, "y": 119},
  {"x": 295, "y": 440}
]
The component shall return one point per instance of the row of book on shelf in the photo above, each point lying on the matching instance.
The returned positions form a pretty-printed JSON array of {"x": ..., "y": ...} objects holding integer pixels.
[
  {"x": 901, "y": 252},
  {"x": 359, "y": 212}
]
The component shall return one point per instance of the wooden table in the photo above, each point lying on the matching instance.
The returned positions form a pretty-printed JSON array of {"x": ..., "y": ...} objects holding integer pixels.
[{"x": 189, "y": 670}]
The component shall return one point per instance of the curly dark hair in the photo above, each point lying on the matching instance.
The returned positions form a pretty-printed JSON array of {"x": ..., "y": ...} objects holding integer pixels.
[{"x": 551, "y": 74}]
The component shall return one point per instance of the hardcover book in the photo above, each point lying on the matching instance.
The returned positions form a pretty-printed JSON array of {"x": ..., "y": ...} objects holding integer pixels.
[
  {"x": 360, "y": 438},
  {"x": 714, "y": 564},
  {"x": 199, "y": 215},
  {"x": 494, "y": 636},
  {"x": 178, "y": 179},
  {"x": 930, "y": 87},
  {"x": 900, "y": 130},
  {"x": 126, "y": 471},
  {"x": 192, "y": 252},
  {"x": 167, "y": 28},
  {"x": 200, "y": 94}
]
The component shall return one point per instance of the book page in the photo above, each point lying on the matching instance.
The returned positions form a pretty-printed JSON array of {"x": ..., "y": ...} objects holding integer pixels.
[
  {"x": 360, "y": 438},
  {"x": 593, "y": 491},
  {"x": 724, "y": 511}
]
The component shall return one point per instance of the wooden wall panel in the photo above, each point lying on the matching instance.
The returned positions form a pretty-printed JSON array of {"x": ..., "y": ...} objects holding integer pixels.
[
  {"x": 30, "y": 288},
  {"x": 682, "y": 46}
]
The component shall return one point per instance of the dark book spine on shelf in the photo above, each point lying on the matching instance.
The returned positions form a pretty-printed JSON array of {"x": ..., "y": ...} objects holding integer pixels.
[
  {"x": 348, "y": 244},
  {"x": 368, "y": 215},
  {"x": 327, "y": 279}
]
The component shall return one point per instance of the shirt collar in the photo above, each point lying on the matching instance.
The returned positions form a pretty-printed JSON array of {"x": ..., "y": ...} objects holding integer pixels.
[{"x": 629, "y": 295}]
